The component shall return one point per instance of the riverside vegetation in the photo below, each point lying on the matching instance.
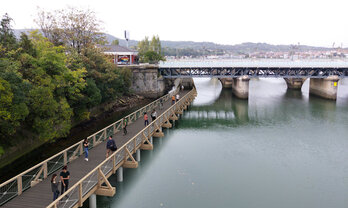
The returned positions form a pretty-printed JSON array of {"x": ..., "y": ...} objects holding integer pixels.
[{"x": 50, "y": 80}]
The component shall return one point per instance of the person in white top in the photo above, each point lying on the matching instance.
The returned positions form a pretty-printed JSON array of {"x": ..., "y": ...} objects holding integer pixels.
[
  {"x": 153, "y": 115},
  {"x": 177, "y": 97}
]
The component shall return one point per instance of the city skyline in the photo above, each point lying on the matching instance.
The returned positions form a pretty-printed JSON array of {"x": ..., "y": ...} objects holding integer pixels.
[{"x": 223, "y": 22}]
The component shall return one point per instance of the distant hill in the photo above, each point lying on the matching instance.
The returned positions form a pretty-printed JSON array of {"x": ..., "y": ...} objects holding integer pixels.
[{"x": 199, "y": 47}]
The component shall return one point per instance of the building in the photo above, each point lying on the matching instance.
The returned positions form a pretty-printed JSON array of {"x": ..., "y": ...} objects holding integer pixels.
[{"x": 121, "y": 55}]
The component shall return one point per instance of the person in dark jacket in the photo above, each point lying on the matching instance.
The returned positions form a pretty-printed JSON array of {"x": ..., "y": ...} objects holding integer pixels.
[
  {"x": 85, "y": 147},
  {"x": 64, "y": 178},
  {"x": 125, "y": 123},
  {"x": 110, "y": 146},
  {"x": 54, "y": 187}
]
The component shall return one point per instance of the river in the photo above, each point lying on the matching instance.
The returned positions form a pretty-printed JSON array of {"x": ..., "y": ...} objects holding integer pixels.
[{"x": 278, "y": 149}]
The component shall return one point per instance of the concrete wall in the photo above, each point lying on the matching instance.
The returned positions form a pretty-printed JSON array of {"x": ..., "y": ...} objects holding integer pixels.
[
  {"x": 325, "y": 88},
  {"x": 147, "y": 82}
]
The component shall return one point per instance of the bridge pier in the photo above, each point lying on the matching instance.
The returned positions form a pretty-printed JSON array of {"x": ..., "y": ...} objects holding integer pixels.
[
  {"x": 119, "y": 174},
  {"x": 93, "y": 201},
  {"x": 240, "y": 87},
  {"x": 226, "y": 82},
  {"x": 295, "y": 83},
  {"x": 324, "y": 87}
]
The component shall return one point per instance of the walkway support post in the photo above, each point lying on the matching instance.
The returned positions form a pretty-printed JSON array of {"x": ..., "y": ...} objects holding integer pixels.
[
  {"x": 93, "y": 201},
  {"x": 119, "y": 173},
  {"x": 324, "y": 87},
  {"x": 240, "y": 87},
  {"x": 137, "y": 156}
]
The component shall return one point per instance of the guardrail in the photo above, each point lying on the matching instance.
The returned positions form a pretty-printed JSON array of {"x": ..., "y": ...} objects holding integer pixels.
[
  {"x": 80, "y": 191},
  {"x": 29, "y": 178}
]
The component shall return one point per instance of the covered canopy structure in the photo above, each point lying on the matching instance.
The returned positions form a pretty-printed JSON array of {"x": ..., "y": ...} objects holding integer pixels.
[{"x": 121, "y": 55}]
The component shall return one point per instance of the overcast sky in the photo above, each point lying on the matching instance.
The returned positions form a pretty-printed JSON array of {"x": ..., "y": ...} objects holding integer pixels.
[{"x": 310, "y": 22}]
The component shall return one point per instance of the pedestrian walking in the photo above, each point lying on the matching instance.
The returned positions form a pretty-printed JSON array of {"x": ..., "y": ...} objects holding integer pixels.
[
  {"x": 173, "y": 100},
  {"x": 177, "y": 97},
  {"x": 161, "y": 104},
  {"x": 153, "y": 115},
  {"x": 64, "y": 178},
  {"x": 110, "y": 146},
  {"x": 146, "y": 119},
  {"x": 54, "y": 187},
  {"x": 125, "y": 123},
  {"x": 182, "y": 87},
  {"x": 85, "y": 147}
]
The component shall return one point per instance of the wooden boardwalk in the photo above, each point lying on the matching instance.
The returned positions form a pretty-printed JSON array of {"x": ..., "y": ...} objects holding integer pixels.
[{"x": 41, "y": 195}]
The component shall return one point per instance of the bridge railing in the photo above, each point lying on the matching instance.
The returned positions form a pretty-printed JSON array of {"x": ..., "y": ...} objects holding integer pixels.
[
  {"x": 81, "y": 190},
  {"x": 29, "y": 178}
]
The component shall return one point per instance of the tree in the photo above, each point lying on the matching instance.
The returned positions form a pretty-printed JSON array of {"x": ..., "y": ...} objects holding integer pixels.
[
  {"x": 55, "y": 89},
  {"x": 155, "y": 45},
  {"x": 115, "y": 42},
  {"x": 13, "y": 88},
  {"x": 77, "y": 29},
  {"x": 7, "y": 37},
  {"x": 150, "y": 52}
]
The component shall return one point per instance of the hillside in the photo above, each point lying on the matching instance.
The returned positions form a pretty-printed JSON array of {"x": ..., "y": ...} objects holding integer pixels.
[{"x": 207, "y": 48}]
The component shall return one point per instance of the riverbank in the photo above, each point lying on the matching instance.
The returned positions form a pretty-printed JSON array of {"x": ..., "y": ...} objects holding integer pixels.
[{"x": 29, "y": 152}]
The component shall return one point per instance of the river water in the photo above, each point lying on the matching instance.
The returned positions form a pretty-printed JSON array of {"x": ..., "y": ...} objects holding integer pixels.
[{"x": 278, "y": 149}]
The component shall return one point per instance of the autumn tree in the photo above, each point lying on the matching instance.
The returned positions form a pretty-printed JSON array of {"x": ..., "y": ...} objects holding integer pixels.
[{"x": 77, "y": 29}]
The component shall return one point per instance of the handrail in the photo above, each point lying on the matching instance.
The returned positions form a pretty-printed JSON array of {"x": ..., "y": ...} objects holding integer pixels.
[
  {"x": 78, "y": 186},
  {"x": 28, "y": 178}
]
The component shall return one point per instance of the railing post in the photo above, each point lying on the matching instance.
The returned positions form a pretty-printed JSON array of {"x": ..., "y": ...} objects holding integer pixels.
[
  {"x": 45, "y": 169},
  {"x": 81, "y": 148},
  {"x": 80, "y": 195},
  {"x": 105, "y": 135},
  {"x": 114, "y": 164},
  {"x": 135, "y": 144},
  {"x": 19, "y": 184},
  {"x": 65, "y": 158},
  {"x": 99, "y": 178},
  {"x": 94, "y": 141}
]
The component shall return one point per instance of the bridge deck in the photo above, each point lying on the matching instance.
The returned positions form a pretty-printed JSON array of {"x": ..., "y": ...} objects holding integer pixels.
[
  {"x": 41, "y": 194},
  {"x": 256, "y": 68}
]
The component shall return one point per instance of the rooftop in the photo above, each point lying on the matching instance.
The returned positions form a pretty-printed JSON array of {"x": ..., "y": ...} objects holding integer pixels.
[{"x": 117, "y": 48}]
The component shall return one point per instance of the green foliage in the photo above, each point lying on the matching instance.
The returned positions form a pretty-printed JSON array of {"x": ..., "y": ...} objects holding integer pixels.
[
  {"x": 45, "y": 87},
  {"x": 1, "y": 151},
  {"x": 7, "y": 37},
  {"x": 93, "y": 94},
  {"x": 150, "y": 52},
  {"x": 115, "y": 42}
]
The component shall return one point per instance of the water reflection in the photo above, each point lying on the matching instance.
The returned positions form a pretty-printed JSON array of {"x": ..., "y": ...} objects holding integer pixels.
[
  {"x": 296, "y": 94},
  {"x": 280, "y": 148}
]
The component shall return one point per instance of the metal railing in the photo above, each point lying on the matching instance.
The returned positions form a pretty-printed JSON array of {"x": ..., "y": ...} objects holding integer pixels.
[
  {"x": 80, "y": 191},
  {"x": 25, "y": 180}
]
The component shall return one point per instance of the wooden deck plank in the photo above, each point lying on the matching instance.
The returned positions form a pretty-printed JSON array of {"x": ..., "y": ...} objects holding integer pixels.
[{"x": 41, "y": 194}]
